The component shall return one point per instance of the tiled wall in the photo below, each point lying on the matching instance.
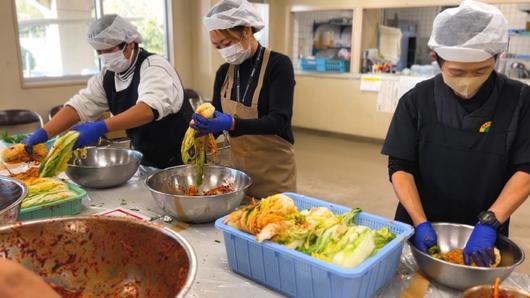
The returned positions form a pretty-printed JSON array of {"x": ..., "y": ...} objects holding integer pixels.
[
  {"x": 516, "y": 20},
  {"x": 303, "y": 30},
  {"x": 423, "y": 16}
]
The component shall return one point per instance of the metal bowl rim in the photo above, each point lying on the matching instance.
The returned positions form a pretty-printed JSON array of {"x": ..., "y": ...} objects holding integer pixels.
[
  {"x": 22, "y": 196},
  {"x": 503, "y": 268},
  {"x": 167, "y": 231},
  {"x": 477, "y": 287},
  {"x": 196, "y": 197},
  {"x": 136, "y": 152}
]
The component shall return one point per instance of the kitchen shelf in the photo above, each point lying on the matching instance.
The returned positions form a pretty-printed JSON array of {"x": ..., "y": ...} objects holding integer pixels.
[
  {"x": 518, "y": 56},
  {"x": 333, "y": 48},
  {"x": 342, "y": 25},
  {"x": 518, "y": 32}
]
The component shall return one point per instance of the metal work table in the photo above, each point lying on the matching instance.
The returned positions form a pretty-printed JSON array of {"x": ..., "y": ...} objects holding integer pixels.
[{"x": 214, "y": 278}]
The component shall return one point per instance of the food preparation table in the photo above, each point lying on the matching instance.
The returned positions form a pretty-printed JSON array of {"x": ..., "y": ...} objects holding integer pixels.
[{"x": 214, "y": 278}]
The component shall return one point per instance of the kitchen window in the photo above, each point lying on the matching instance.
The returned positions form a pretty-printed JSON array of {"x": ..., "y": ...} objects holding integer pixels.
[
  {"x": 263, "y": 35},
  {"x": 394, "y": 40},
  {"x": 52, "y": 34},
  {"x": 322, "y": 40}
]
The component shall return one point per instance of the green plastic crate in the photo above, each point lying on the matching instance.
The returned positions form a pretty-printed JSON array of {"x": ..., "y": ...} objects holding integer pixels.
[{"x": 59, "y": 208}]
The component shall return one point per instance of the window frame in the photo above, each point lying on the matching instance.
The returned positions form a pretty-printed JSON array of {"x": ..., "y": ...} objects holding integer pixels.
[{"x": 69, "y": 80}]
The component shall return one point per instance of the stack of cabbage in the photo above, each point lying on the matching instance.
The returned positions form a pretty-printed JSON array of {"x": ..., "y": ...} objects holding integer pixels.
[
  {"x": 317, "y": 232},
  {"x": 17, "y": 153},
  {"x": 193, "y": 149},
  {"x": 57, "y": 159},
  {"x": 46, "y": 190}
]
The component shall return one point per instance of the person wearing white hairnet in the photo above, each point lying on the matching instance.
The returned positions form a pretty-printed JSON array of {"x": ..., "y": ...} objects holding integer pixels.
[
  {"x": 253, "y": 97},
  {"x": 459, "y": 143},
  {"x": 142, "y": 91}
]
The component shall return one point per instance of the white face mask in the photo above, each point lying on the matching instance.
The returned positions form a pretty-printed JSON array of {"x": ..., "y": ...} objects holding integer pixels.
[
  {"x": 235, "y": 54},
  {"x": 116, "y": 61}
]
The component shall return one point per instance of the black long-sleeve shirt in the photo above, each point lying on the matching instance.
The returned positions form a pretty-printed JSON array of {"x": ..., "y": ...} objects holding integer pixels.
[
  {"x": 469, "y": 105},
  {"x": 275, "y": 107}
]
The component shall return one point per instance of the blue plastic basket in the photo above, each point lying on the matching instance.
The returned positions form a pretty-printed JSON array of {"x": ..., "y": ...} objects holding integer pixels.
[
  {"x": 324, "y": 65},
  {"x": 335, "y": 65},
  {"x": 298, "y": 275},
  {"x": 313, "y": 64}
]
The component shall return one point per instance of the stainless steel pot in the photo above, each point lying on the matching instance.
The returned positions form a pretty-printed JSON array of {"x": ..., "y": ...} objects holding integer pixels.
[
  {"x": 12, "y": 192},
  {"x": 104, "y": 167},
  {"x": 461, "y": 277},
  {"x": 97, "y": 256},
  {"x": 166, "y": 188}
]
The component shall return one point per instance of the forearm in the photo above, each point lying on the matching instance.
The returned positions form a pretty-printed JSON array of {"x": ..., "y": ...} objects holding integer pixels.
[
  {"x": 267, "y": 125},
  {"x": 514, "y": 193},
  {"x": 135, "y": 116},
  {"x": 407, "y": 193},
  {"x": 62, "y": 121}
]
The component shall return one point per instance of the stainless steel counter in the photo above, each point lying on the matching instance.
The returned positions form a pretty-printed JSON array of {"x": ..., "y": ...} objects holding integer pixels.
[{"x": 214, "y": 278}]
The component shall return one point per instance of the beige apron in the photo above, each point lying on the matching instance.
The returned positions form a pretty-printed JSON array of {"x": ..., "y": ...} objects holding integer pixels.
[{"x": 268, "y": 159}]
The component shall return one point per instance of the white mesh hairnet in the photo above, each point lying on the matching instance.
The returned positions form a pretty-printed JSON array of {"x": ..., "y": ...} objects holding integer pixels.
[
  {"x": 471, "y": 32},
  {"x": 228, "y": 14},
  {"x": 110, "y": 31}
]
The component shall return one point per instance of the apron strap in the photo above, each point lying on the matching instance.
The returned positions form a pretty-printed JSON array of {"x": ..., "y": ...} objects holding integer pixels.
[
  {"x": 507, "y": 113},
  {"x": 228, "y": 83},
  {"x": 264, "y": 64}
]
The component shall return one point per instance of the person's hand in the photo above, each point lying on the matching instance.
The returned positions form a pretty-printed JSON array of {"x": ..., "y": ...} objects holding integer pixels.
[
  {"x": 89, "y": 132},
  {"x": 479, "y": 247},
  {"x": 37, "y": 137},
  {"x": 218, "y": 123},
  {"x": 425, "y": 236},
  {"x": 18, "y": 282}
]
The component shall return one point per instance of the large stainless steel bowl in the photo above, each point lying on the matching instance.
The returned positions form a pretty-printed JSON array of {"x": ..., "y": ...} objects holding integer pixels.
[
  {"x": 104, "y": 167},
  {"x": 487, "y": 291},
  {"x": 124, "y": 143},
  {"x": 103, "y": 256},
  {"x": 12, "y": 192},
  {"x": 166, "y": 188},
  {"x": 451, "y": 236}
]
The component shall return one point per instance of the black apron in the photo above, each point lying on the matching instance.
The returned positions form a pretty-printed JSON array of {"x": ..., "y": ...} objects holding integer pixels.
[
  {"x": 462, "y": 171},
  {"x": 159, "y": 141}
]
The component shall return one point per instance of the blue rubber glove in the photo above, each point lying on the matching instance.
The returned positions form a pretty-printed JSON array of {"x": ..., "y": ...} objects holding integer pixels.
[
  {"x": 425, "y": 237},
  {"x": 89, "y": 132},
  {"x": 479, "y": 247},
  {"x": 37, "y": 137},
  {"x": 218, "y": 123}
]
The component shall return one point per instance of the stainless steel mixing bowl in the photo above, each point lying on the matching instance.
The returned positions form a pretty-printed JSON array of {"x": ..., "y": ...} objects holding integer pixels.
[
  {"x": 104, "y": 167},
  {"x": 99, "y": 256},
  {"x": 124, "y": 143},
  {"x": 166, "y": 187},
  {"x": 451, "y": 236},
  {"x": 12, "y": 192},
  {"x": 487, "y": 291}
]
